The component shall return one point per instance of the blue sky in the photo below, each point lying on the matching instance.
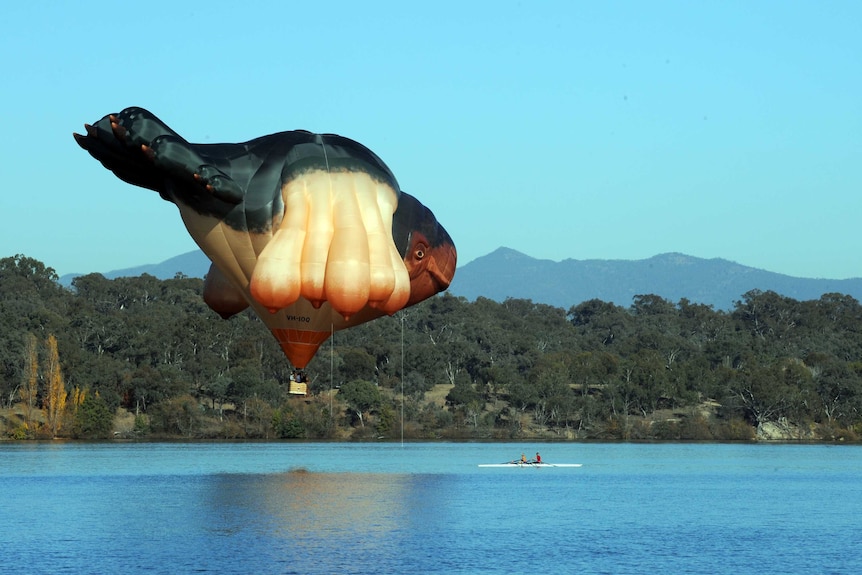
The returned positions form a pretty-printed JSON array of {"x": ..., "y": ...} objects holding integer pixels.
[{"x": 585, "y": 130}]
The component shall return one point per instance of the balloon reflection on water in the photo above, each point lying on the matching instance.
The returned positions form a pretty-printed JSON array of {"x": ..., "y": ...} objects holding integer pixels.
[{"x": 315, "y": 512}]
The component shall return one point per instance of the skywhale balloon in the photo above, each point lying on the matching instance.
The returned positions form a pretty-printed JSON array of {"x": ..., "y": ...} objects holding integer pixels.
[{"x": 310, "y": 230}]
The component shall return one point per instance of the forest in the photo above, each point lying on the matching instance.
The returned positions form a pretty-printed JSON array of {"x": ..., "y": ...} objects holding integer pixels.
[{"x": 143, "y": 358}]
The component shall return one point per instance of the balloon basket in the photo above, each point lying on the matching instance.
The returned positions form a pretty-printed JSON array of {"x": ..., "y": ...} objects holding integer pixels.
[{"x": 296, "y": 388}]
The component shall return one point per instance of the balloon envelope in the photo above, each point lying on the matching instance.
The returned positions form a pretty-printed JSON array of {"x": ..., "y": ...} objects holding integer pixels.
[{"x": 310, "y": 230}]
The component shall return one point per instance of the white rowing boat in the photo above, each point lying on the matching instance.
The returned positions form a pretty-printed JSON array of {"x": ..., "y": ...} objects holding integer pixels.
[{"x": 528, "y": 464}]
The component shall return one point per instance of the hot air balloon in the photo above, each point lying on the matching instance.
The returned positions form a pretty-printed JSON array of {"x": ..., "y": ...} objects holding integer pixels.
[{"x": 310, "y": 230}]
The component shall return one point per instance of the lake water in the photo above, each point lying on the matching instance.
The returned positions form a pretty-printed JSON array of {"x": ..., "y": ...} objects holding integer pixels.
[{"x": 419, "y": 508}]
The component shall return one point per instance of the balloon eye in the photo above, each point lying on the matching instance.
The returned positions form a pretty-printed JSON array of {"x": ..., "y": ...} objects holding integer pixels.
[{"x": 419, "y": 253}]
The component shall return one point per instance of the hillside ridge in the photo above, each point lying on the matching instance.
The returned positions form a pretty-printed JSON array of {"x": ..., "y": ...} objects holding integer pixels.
[{"x": 508, "y": 273}]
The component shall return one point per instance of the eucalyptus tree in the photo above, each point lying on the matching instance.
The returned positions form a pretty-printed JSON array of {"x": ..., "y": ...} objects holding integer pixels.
[
  {"x": 601, "y": 324},
  {"x": 361, "y": 397}
]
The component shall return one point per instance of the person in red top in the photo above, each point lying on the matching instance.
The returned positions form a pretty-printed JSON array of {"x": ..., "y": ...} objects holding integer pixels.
[{"x": 538, "y": 457}]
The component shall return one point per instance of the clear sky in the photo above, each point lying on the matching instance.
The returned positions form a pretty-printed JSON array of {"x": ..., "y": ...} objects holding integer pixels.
[{"x": 569, "y": 129}]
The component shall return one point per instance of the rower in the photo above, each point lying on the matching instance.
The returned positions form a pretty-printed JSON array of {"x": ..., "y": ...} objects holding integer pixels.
[{"x": 538, "y": 457}]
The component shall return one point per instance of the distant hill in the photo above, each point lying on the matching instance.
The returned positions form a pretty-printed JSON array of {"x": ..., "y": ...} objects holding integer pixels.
[
  {"x": 507, "y": 273},
  {"x": 673, "y": 276},
  {"x": 193, "y": 264}
]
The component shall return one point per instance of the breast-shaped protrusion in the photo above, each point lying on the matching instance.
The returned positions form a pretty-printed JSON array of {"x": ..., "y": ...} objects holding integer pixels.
[{"x": 221, "y": 295}]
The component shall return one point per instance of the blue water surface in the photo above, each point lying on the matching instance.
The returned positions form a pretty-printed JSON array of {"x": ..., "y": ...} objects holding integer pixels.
[{"x": 280, "y": 508}]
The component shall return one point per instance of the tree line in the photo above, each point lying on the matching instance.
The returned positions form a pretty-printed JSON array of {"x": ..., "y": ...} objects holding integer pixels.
[{"x": 75, "y": 361}]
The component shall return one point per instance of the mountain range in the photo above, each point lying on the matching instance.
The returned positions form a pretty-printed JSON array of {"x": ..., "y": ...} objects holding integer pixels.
[{"x": 506, "y": 273}]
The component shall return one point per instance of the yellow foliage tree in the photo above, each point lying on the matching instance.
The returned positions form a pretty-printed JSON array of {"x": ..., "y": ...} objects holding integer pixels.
[
  {"x": 78, "y": 397},
  {"x": 54, "y": 402},
  {"x": 30, "y": 389}
]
